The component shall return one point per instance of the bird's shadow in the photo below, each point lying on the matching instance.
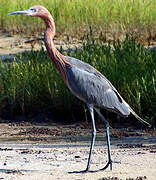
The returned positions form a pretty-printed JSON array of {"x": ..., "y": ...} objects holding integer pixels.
[
  {"x": 9, "y": 171},
  {"x": 84, "y": 171}
]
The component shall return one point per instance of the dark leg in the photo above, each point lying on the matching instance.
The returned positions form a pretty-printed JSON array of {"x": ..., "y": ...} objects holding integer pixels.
[
  {"x": 108, "y": 140},
  {"x": 91, "y": 110}
]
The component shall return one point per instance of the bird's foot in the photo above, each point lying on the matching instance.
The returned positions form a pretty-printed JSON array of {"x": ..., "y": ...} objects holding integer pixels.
[
  {"x": 110, "y": 162},
  {"x": 106, "y": 166}
]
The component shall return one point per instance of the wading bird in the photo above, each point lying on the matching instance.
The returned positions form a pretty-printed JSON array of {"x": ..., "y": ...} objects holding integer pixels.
[{"x": 84, "y": 81}]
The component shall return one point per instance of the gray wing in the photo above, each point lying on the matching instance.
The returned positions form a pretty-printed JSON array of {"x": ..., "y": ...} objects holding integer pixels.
[{"x": 91, "y": 86}]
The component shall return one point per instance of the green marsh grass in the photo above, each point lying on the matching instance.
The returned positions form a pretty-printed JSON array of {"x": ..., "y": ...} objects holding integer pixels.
[
  {"x": 33, "y": 82},
  {"x": 110, "y": 16}
]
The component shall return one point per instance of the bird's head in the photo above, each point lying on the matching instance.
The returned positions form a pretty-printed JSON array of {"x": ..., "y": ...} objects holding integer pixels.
[{"x": 36, "y": 11}]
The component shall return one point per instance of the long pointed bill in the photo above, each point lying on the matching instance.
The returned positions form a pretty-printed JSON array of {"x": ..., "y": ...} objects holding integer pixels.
[{"x": 27, "y": 12}]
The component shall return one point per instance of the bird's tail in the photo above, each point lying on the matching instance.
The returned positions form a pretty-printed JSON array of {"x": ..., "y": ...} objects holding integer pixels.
[{"x": 141, "y": 120}]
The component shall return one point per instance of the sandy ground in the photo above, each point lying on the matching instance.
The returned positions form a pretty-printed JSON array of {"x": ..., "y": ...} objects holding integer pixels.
[
  {"x": 33, "y": 161},
  {"x": 22, "y": 157},
  {"x": 57, "y": 162}
]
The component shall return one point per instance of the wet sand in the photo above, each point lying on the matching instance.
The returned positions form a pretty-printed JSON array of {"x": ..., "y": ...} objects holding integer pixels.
[
  {"x": 59, "y": 157},
  {"x": 61, "y": 162}
]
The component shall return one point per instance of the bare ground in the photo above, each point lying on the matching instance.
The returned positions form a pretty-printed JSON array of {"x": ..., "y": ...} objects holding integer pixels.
[
  {"x": 10, "y": 45},
  {"x": 35, "y": 151}
]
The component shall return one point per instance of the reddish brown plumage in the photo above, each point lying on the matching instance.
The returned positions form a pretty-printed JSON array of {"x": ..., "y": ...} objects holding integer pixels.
[{"x": 59, "y": 60}]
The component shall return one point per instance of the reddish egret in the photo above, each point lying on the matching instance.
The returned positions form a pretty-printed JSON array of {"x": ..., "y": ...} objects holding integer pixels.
[{"x": 84, "y": 81}]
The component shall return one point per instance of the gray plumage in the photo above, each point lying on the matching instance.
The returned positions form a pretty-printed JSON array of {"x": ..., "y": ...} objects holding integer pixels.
[{"x": 92, "y": 87}]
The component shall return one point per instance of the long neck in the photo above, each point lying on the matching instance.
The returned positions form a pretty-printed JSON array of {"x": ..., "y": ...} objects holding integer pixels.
[{"x": 57, "y": 58}]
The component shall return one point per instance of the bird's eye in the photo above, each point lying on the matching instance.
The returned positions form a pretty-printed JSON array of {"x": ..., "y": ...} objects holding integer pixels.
[{"x": 33, "y": 10}]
